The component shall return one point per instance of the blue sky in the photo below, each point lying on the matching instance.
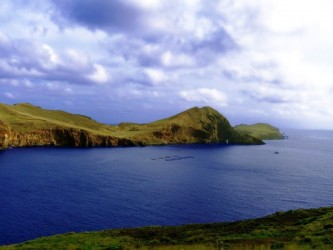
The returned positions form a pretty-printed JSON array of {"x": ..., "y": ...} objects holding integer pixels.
[{"x": 130, "y": 60}]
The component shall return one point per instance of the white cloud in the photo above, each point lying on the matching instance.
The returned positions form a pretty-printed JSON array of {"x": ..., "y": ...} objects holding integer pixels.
[
  {"x": 170, "y": 59},
  {"x": 205, "y": 96},
  {"x": 285, "y": 55},
  {"x": 77, "y": 57},
  {"x": 147, "y": 4},
  {"x": 9, "y": 95},
  {"x": 52, "y": 56},
  {"x": 203, "y": 27},
  {"x": 289, "y": 16},
  {"x": 99, "y": 75},
  {"x": 156, "y": 76}
]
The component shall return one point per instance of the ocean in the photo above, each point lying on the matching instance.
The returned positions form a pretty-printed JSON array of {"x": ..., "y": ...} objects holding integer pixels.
[{"x": 46, "y": 191}]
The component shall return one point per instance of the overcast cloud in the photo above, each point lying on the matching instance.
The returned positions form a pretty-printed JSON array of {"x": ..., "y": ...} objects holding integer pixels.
[{"x": 129, "y": 60}]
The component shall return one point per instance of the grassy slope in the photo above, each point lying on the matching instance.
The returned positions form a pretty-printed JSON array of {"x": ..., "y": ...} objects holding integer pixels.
[
  {"x": 298, "y": 229},
  {"x": 260, "y": 130},
  {"x": 27, "y": 118},
  {"x": 199, "y": 115},
  {"x": 196, "y": 125},
  {"x": 24, "y": 117},
  {"x": 196, "y": 118}
]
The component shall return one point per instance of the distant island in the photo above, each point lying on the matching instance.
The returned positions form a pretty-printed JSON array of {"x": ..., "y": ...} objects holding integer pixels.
[
  {"x": 26, "y": 125},
  {"x": 262, "y": 131}
]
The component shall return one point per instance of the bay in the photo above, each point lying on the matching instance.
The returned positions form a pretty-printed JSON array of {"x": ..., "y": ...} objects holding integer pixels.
[{"x": 46, "y": 191}]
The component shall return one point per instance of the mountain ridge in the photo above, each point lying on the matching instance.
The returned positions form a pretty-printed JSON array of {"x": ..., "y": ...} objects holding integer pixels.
[{"x": 24, "y": 124}]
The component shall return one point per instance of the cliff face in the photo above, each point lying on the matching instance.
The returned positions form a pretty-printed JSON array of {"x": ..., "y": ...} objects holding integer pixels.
[
  {"x": 82, "y": 138},
  {"x": 60, "y": 137},
  {"x": 26, "y": 125},
  {"x": 4, "y": 135}
]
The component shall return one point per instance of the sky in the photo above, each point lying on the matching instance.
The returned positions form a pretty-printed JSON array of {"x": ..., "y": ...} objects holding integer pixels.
[{"x": 133, "y": 60}]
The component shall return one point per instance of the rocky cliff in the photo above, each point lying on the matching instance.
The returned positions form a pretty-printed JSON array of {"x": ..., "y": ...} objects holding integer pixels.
[
  {"x": 60, "y": 137},
  {"x": 4, "y": 135},
  {"x": 24, "y": 125}
]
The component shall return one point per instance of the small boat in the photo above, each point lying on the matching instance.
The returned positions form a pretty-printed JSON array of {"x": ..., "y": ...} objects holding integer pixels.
[{"x": 276, "y": 152}]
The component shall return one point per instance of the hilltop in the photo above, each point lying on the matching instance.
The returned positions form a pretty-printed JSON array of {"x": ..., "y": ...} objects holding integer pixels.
[
  {"x": 298, "y": 229},
  {"x": 262, "y": 131},
  {"x": 195, "y": 125},
  {"x": 28, "y": 125}
]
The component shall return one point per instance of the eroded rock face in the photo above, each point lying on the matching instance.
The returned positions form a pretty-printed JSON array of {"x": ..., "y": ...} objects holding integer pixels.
[
  {"x": 59, "y": 137},
  {"x": 82, "y": 138},
  {"x": 4, "y": 135},
  {"x": 29, "y": 126}
]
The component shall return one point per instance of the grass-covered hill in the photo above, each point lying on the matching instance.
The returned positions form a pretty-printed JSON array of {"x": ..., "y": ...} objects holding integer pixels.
[
  {"x": 262, "y": 131},
  {"x": 196, "y": 125},
  {"x": 27, "y": 125},
  {"x": 24, "y": 117},
  {"x": 298, "y": 229}
]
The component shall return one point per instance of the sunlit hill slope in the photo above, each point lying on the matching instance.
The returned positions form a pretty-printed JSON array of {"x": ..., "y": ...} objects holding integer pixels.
[
  {"x": 27, "y": 125},
  {"x": 298, "y": 229}
]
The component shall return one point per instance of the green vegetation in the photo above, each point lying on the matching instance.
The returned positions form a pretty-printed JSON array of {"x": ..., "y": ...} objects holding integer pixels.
[
  {"x": 196, "y": 125},
  {"x": 27, "y": 125},
  {"x": 298, "y": 229},
  {"x": 262, "y": 131},
  {"x": 24, "y": 117}
]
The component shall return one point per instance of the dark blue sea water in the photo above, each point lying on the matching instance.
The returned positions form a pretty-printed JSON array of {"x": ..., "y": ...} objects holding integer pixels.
[{"x": 45, "y": 191}]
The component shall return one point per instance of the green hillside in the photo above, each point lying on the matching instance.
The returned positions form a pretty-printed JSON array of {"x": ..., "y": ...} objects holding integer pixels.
[
  {"x": 299, "y": 229},
  {"x": 196, "y": 125},
  {"x": 26, "y": 117},
  {"x": 27, "y": 125},
  {"x": 262, "y": 131}
]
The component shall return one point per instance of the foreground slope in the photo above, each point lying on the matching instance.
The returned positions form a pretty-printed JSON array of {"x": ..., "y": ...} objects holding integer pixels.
[
  {"x": 298, "y": 229},
  {"x": 262, "y": 131},
  {"x": 27, "y": 125}
]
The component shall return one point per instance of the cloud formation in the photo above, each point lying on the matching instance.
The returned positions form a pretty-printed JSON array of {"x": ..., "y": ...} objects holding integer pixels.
[
  {"x": 205, "y": 96},
  {"x": 254, "y": 61},
  {"x": 23, "y": 59},
  {"x": 112, "y": 16}
]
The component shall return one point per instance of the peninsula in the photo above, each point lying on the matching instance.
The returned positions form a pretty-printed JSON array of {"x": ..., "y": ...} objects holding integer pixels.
[{"x": 24, "y": 125}]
